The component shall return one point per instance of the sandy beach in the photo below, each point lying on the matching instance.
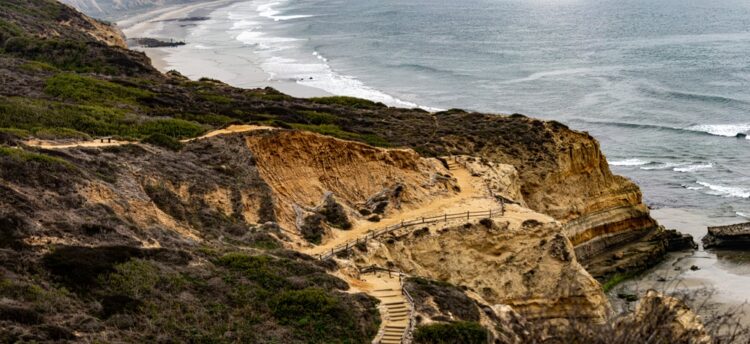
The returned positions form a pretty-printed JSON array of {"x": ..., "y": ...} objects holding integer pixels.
[
  {"x": 193, "y": 60},
  {"x": 714, "y": 280}
]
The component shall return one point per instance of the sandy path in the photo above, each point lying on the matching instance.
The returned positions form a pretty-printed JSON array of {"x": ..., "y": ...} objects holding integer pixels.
[
  {"x": 472, "y": 197},
  {"x": 232, "y": 129},
  {"x": 90, "y": 144},
  {"x": 239, "y": 128}
]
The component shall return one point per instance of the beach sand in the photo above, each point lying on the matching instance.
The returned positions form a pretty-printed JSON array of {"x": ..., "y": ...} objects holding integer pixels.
[
  {"x": 194, "y": 62},
  {"x": 717, "y": 286}
]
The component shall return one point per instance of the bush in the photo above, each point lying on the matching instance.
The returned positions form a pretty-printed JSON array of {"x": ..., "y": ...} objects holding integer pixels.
[
  {"x": 452, "y": 333},
  {"x": 314, "y": 314},
  {"x": 26, "y": 156},
  {"x": 317, "y": 118},
  {"x": 351, "y": 102},
  {"x": 59, "y": 133},
  {"x": 135, "y": 279},
  {"x": 162, "y": 140},
  {"x": 82, "y": 88},
  {"x": 17, "y": 133},
  {"x": 336, "y": 131}
]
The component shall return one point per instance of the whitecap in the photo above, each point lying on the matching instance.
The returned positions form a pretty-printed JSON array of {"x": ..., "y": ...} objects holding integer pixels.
[
  {"x": 728, "y": 130},
  {"x": 692, "y": 168},
  {"x": 663, "y": 165},
  {"x": 740, "y": 214},
  {"x": 629, "y": 162},
  {"x": 268, "y": 11},
  {"x": 725, "y": 191}
]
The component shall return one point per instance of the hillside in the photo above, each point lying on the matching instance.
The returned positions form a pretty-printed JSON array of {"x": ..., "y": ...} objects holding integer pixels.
[{"x": 146, "y": 207}]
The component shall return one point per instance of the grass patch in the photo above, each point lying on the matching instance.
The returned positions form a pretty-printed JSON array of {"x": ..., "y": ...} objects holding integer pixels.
[
  {"x": 452, "y": 333},
  {"x": 351, "y": 102},
  {"x": 86, "y": 89},
  {"x": 26, "y": 156},
  {"x": 336, "y": 131},
  {"x": 19, "y": 133},
  {"x": 617, "y": 279},
  {"x": 94, "y": 120},
  {"x": 318, "y": 118},
  {"x": 36, "y": 66},
  {"x": 59, "y": 133},
  {"x": 164, "y": 141}
]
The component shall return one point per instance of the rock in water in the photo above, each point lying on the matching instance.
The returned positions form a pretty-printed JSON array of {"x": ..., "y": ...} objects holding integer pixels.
[
  {"x": 736, "y": 236},
  {"x": 741, "y": 135}
]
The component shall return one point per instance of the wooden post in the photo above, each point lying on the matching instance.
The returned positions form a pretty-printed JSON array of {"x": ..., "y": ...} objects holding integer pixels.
[
  {"x": 467, "y": 215},
  {"x": 490, "y": 212},
  {"x": 422, "y": 219},
  {"x": 446, "y": 217}
]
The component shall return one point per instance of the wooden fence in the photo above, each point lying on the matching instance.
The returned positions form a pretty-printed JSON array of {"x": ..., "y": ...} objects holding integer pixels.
[{"x": 411, "y": 223}]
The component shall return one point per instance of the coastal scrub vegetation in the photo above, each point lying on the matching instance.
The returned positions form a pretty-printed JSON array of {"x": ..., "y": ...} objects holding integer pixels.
[{"x": 451, "y": 333}]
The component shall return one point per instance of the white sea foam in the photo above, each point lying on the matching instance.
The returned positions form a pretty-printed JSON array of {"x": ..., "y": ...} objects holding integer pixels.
[
  {"x": 663, "y": 165},
  {"x": 267, "y": 10},
  {"x": 728, "y": 130},
  {"x": 742, "y": 214},
  {"x": 725, "y": 191},
  {"x": 282, "y": 59},
  {"x": 694, "y": 167},
  {"x": 629, "y": 162}
]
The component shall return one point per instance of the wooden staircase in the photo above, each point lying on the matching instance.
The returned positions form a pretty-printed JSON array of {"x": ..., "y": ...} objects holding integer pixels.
[{"x": 395, "y": 309}]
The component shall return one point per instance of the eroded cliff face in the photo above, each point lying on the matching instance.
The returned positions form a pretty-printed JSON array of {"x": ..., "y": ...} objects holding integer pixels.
[
  {"x": 521, "y": 260},
  {"x": 575, "y": 186},
  {"x": 302, "y": 167}
]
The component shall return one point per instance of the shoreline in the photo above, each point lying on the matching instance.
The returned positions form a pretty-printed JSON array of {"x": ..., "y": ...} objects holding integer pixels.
[
  {"x": 190, "y": 61},
  {"x": 717, "y": 283}
]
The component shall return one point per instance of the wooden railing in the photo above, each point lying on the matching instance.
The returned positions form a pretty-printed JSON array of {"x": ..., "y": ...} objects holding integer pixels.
[{"x": 411, "y": 223}]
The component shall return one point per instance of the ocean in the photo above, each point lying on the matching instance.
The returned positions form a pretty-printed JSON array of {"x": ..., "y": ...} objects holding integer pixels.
[{"x": 663, "y": 85}]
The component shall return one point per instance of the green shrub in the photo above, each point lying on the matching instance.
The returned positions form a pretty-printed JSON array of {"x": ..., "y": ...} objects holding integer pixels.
[
  {"x": 19, "y": 133},
  {"x": 36, "y": 66},
  {"x": 94, "y": 120},
  {"x": 26, "y": 156},
  {"x": 173, "y": 127},
  {"x": 351, "y": 102},
  {"x": 336, "y": 131},
  {"x": 135, "y": 278},
  {"x": 317, "y": 118},
  {"x": 162, "y": 140},
  {"x": 453, "y": 333},
  {"x": 314, "y": 314},
  {"x": 82, "y": 88},
  {"x": 59, "y": 133}
]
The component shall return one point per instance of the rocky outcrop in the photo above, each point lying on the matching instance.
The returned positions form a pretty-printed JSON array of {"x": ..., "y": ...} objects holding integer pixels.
[
  {"x": 524, "y": 262},
  {"x": 665, "y": 318},
  {"x": 735, "y": 236},
  {"x": 302, "y": 168}
]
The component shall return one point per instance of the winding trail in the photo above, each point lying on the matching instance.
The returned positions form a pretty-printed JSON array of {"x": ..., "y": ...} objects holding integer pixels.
[{"x": 98, "y": 142}]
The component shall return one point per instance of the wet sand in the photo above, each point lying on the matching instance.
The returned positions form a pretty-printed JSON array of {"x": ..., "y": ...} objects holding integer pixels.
[{"x": 721, "y": 283}]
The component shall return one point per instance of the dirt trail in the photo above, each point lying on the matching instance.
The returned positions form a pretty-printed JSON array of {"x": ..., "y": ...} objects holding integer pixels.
[
  {"x": 239, "y": 128},
  {"x": 108, "y": 143},
  {"x": 394, "y": 308},
  {"x": 472, "y": 197}
]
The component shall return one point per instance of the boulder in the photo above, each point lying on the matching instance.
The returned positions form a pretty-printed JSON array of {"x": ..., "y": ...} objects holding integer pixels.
[
  {"x": 676, "y": 241},
  {"x": 736, "y": 236},
  {"x": 666, "y": 318}
]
